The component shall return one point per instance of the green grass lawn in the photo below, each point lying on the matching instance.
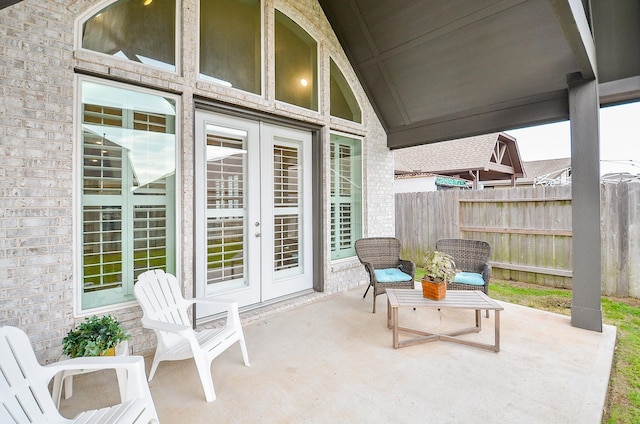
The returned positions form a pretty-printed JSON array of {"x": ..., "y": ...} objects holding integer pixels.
[{"x": 623, "y": 401}]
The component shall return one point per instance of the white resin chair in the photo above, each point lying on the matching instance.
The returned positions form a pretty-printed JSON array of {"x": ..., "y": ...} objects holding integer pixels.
[
  {"x": 25, "y": 393},
  {"x": 165, "y": 311}
]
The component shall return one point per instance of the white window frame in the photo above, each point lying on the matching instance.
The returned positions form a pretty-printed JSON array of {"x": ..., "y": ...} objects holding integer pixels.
[
  {"x": 332, "y": 177},
  {"x": 78, "y": 168}
]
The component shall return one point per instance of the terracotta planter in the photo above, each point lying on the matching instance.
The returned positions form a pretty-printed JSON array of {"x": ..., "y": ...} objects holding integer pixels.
[{"x": 433, "y": 290}]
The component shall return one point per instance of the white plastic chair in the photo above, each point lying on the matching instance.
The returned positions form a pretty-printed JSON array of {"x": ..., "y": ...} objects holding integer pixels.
[
  {"x": 25, "y": 393},
  {"x": 165, "y": 311}
]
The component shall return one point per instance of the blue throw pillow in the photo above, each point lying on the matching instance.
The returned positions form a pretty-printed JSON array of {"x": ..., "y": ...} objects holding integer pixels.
[
  {"x": 391, "y": 275},
  {"x": 469, "y": 278}
]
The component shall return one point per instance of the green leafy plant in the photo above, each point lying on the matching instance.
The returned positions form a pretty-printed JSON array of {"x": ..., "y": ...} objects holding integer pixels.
[
  {"x": 438, "y": 266},
  {"x": 94, "y": 336}
]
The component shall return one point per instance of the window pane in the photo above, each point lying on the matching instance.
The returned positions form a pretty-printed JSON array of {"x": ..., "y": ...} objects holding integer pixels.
[
  {"x": 287, "y": 196},
  {"x": 296, "y": 64},
  {"x": 287, "y": 200},
  {"x": 230, "y": 43},
  {"x": 343, "y": 102},
  {"x": 226, "y": 204},
  {"x": 346, "y": 195},
  {"x": 128, "y": 178},
  {"x": 137, "y": 30}
]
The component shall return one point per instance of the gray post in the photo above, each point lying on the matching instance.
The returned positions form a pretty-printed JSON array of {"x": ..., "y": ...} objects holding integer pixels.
[{"x": 586, "y": 309}]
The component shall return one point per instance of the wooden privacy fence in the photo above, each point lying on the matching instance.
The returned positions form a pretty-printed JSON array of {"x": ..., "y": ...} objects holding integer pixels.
[{"x": 529, "y": 229}]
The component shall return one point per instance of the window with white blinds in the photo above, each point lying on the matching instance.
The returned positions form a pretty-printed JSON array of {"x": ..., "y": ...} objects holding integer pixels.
[
  {"x": 287, "y": 174},
  {"x": 226, "y": 161},
  {"x": 346, "y": 195},
  {"x": 128, "y": 190}
]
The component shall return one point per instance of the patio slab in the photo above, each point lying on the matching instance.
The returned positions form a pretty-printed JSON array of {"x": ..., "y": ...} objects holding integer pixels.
[{"x": 332, "y": 360}]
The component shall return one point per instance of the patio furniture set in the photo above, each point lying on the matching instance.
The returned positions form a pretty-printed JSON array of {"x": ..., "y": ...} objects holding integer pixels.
[
  {"x": 24, "y": 382},
  {"x": 469, "y": 289}
]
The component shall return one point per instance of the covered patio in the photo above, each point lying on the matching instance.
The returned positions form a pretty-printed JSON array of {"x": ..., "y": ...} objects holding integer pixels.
[{"x": 329, "y": 359}]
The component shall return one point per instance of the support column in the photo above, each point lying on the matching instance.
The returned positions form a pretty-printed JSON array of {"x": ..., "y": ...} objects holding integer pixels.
[{"x": 584, "y": 108}]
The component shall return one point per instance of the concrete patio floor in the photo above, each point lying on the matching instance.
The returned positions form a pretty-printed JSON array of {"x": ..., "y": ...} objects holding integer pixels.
[{"x": 332, "y": 361}]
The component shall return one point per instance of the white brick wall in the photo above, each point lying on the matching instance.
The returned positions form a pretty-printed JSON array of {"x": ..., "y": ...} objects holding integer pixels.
[{"x": 37, "y": 71}]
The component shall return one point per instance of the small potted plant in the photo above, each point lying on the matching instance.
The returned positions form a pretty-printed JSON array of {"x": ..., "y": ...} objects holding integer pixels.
[
  {"x": 95, "y": 336},
  {"x": 439, "y": 269}
]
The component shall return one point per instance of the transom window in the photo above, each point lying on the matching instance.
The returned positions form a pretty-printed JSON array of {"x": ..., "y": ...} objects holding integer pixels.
[
  {"x": 231, "y": 43},
  {"x": 139, "y": 30},
  {"x": 296, "y": 64},
  {"x": 343, "y": 102}
]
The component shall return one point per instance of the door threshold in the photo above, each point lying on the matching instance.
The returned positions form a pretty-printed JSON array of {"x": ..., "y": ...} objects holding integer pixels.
[{"x": 258, "y": 310}]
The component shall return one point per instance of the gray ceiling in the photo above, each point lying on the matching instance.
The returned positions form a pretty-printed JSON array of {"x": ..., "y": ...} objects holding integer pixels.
[{"x": 438, "y": 70}]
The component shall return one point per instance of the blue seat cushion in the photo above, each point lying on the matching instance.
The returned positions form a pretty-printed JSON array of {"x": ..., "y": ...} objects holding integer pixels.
[
  {"x": 391, "y": 275},
  {"x": 472, "y": 278}
]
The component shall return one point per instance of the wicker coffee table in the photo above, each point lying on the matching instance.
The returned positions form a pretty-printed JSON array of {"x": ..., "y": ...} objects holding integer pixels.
[{"x": 456, "y": 299}]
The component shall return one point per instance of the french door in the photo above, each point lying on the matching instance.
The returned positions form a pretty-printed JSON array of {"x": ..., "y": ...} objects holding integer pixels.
[{"x": 253, "y": 210}]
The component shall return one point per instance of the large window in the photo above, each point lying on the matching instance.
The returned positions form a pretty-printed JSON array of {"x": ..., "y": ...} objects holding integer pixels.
[
  {"x": 128, "y": 150},
  {"x": 230, "y": 43},
  {"x": 343, "y": 102},
  {"x": 296, "y": 64},
  {"x": 140, "y": 30},
  {"x": 346, "y": 195}
]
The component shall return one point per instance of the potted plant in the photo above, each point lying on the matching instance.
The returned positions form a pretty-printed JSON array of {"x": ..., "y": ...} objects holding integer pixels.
[
  {"x": 95, "y": 336},
  {"x": 439, "y": 269}
]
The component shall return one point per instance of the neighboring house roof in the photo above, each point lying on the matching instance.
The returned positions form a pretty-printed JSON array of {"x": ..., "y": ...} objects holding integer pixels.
[
  {"x": 547, "y": 168},
  {"x": 408, "y": 175},
  {"x": 494, "y": 156}
]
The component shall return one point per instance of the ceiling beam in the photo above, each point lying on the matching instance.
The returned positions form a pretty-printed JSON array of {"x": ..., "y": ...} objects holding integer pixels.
[
  {"x": 573, "y": 21},
  {"x": 550, "y": 107},
  {"x": 620, "y": 91}
]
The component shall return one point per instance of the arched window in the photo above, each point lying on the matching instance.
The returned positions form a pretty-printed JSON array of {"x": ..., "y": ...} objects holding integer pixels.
[
  {"x": 343, "y": 102},
  {"x": 139, "y": 30},
  {"x": 231, "y": 43},
  {"x": 296, "y": 64}
]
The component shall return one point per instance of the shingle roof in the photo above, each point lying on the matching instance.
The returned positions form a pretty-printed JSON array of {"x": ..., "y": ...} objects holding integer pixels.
[
  {"x": 458, "y": 157},
  {"x": 547, "y": 167}
]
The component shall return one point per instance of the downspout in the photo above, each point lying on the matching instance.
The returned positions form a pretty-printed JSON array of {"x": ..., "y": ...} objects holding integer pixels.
[{"x": 475, "y": 177}]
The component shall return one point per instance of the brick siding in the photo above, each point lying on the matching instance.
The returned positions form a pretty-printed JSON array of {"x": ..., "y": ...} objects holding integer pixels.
[{"x": 38, "y": 65}]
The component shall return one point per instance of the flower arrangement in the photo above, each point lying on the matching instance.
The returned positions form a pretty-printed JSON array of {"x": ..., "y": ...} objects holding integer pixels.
[{"x": 94, "y": 337}]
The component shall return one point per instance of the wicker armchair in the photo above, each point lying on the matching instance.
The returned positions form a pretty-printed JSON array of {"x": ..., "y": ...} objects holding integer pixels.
[
  {"x": 470, "y": 256},
  {"x": 382, "y": 254}
]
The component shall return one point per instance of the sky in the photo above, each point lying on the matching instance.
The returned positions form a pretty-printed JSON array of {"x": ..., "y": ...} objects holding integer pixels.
[{"x": 619, "y": 140}]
